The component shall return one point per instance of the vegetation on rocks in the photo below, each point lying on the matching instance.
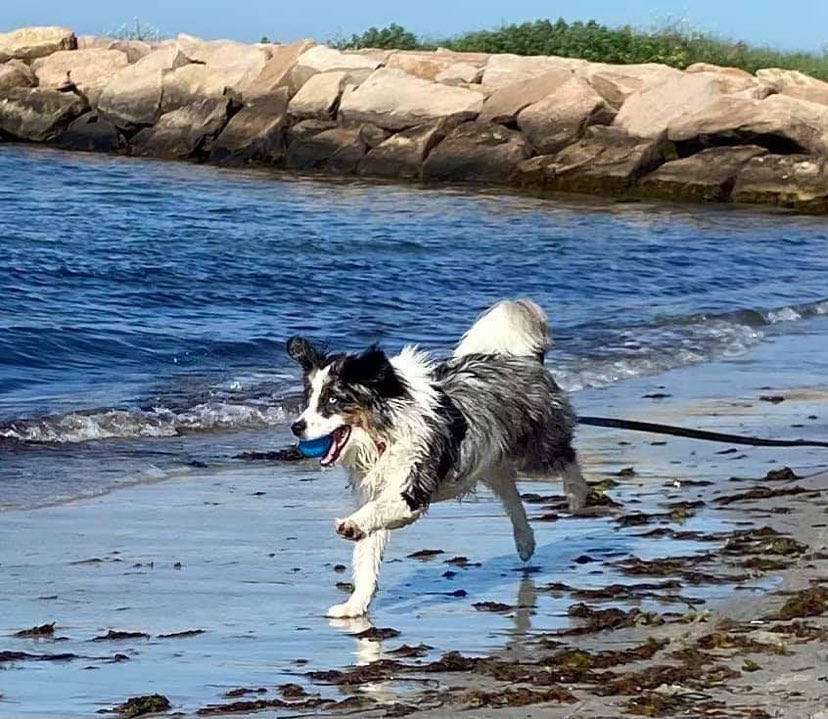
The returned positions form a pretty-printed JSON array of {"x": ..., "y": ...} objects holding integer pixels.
[{"x": 675, "y": 45}]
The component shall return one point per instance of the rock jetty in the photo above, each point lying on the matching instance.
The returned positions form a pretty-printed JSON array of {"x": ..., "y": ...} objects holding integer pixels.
[{"x": 546, "y": 124}]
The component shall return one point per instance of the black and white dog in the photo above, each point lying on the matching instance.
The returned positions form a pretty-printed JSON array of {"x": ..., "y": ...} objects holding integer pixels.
[{"x": 411, "y": 431}]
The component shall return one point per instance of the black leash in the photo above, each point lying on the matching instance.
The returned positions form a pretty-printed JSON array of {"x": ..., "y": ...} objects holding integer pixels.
[{"x": 696, "y": 433}]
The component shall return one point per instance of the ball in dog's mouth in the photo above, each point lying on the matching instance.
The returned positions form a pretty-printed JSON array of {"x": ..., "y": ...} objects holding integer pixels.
[{"x": 339, "y": 439}]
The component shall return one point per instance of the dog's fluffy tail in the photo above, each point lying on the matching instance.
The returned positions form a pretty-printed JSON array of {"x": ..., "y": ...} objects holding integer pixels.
[{"x": 515, "y": 328}]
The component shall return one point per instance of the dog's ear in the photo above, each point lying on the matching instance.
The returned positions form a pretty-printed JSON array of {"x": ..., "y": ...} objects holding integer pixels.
[
  {"x": 372, "y": 369},
  {"x": 303, "y": 352}
]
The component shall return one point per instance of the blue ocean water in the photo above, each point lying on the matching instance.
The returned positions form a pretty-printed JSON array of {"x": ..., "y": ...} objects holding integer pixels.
[{"x": 144, "y": 305}]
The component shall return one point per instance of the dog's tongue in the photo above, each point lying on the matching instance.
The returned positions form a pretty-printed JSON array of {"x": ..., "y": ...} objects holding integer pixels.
[{"x": 339, "y": 438}]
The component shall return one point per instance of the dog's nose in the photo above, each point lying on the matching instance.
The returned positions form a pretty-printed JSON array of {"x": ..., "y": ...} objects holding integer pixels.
[{"x": 298, "y": 427}]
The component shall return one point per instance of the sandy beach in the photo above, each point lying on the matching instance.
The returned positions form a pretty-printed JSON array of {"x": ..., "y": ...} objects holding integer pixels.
[{"x": 209, "y": 587}]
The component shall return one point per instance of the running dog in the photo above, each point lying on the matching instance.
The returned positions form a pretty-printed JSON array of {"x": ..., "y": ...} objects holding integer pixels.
[{"x": 410, "y": 430}]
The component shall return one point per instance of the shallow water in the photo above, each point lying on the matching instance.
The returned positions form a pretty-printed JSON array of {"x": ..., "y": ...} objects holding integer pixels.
[{"x": 146, "y": 304}]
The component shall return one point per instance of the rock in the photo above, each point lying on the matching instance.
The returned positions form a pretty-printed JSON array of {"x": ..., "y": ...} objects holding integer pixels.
[
  {"x": 648, "y": 112},
  {"x": 183, "y": 132},
  {"x": 796, "y": 84},
  {"x": 606, "y": 161},
  {"x": 90, "y": 69},
  {"x": 189, "y": 83},
  {"x": 36, "y": 114},
  {"x": 93, "y": 42},
  {"x": 90, "y": 133},
  {"x": 461, "y": 73},
  {"x": 29, "y": 43},
  {"x": 235, "y": 64},
  {"x": 320, "y": 58},
  {"x": 477, "y": 152},
  {"x": 779, "y": 122},
  {"x": 394, "y": 100},
  {"x": 16, "y": 73},
  {"x": 319, "y": 95},
  {"x": 255, "y": 134},
  {"x": 276, "y": 70},
  {"x": 615, "y": 83},
  {"x": 133, "y": 95},
  {"x": 793, "y": 181},
  {"x": 337, "y": 149},
  {"x": 708, "y": 176},
  {"x": 133, "y": 49},
  {"x": 503, "y": 70},
  {"x": 562, "y": 116},
  {"x": 402, "y": 155},
  {"x": 504, "y": 104},
  {"x": 430, "y": 65}
]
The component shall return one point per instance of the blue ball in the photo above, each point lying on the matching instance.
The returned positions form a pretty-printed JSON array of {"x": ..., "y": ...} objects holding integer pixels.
[{"x": 315, "y": 447}]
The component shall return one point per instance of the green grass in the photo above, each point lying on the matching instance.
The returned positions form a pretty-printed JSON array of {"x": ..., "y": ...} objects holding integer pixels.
[{"x": 671, "y": 45}]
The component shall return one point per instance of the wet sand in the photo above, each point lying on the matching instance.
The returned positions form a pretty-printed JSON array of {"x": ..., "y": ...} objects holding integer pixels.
[{"x": 209, "y": 588}]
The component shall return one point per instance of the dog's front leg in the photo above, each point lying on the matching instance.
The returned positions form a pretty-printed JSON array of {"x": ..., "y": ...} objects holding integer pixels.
[
  {"x": 366, "y": 565},
  {"x": 388, "y": 511}
]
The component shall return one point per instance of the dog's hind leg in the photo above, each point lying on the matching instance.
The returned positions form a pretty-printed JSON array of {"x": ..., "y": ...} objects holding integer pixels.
[
  {"x": 366, "y": 565},
  {"x": 502, "y": 483},
  {"x": 574, "y": 484}
]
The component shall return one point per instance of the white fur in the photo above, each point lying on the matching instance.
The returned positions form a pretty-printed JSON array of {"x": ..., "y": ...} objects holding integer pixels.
[
  {"x": 317, "y": 425},
  {"x": 514, "y": 327}
]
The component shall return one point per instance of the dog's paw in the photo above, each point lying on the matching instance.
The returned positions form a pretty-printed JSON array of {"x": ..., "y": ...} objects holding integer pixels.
[
  {"x": 348, "y": 530},
  {"x": 525, "y": 544},
  {"x": 346, "y": 611}
]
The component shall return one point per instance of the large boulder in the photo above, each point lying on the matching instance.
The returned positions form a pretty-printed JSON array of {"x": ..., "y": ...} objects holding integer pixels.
[
  {"x": 503, "y": 70},
  {"x": 337, "y": 150},
  {"x": 255, "y": 134},
  {"x": 796, "y": 84},
  {"x": 394, "y": 100},
  {"x": 321, "y": 58},
  {"x": 793, "y": 181},
  {"x": 402, "y": 154},
  {"x": 431, "y": 65},
  {"x": 16, "y": 73},
  {"x": 36, "y": 114},
  {"x": 277, "y": 69},
  {"x": 133, "y": 49},
  {"x": 477, "y": 152},
  {"x": 133, "y": 95},
  {"x": 90, "y": 70},
  {"x": 183, "y": 132},
  {"x": 460, "y": 73},
  {"x": 708, "y": 176},
  {"x": 29, "y": 43},
  {"x": 606, "y": 161},
  {"x": 648, "y": 112},
  {"x": 504, "y": 104},
  {"x": 90, "y": 133},
  {"x": 615, "y": 83},
  {"x": 779, "y": 122},
  {"x": 318, "y": 96},
  {"x": 187, "y": 84},
  {"x": 562, "y": 116},
  {"x": 235, "y": 64}
]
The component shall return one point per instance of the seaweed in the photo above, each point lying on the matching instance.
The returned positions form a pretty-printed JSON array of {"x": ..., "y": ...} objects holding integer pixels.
[
  {"x": 44, "y": 630},
  {"x": 808, "y": 603},
  {"x": 181, "y": 635},
  {"x": 115, "y": 635},
  {"x": 425, "y": 554},
  {"x": 762, "y": 493},
  {"x": 492, "y": 607},
  {"x": 410, "y": 652},
  {"x": 377, "y": 634},
  {"x": 138, "y": 706}
]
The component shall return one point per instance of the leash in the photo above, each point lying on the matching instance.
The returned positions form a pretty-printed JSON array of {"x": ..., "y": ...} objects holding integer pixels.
[{"x": 702, "y": 434}]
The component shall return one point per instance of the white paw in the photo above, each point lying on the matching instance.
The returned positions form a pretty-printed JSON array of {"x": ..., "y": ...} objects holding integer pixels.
[
  {"x": 348, "y": 529},
  {"x": 347, "y": 610},
  {"x": 525, "y": 545}
]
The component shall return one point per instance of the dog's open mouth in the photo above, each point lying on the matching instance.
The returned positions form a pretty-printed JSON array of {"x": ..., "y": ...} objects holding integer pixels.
[{"x": 339, "y": 439}]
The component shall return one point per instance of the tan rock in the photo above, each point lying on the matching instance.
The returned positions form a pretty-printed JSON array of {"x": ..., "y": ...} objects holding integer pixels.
[
  {"x": 16, "y": 73},
  {"x": 133, "y": 95},
  {"x": 796, "y": 84},
  {"x": 795, "y": 124},
  {"x": 255, "y": 134},
  {"x": 402, "y": 154},
  {"x": 477, "y": 152},
  {"x": 318, "y": 96},
  {"x": 275, "y": 72},
  {"x": 562, "y": 116},
  {"x": 504, "y": 104},
  {"x": 606, "y": 161},
  {"x": 237, "y": 64},
  {"x": 133, "y": 49},
  {"x": 793, "y": 181},
  {"x": 503, "y": 70},
  {"x": 29, "y": 43},
  {"x": 36, "y": 114},
  {"x": 90, "y": 69},
  {"x": 648, "y": 112},
  {"x": 325, "y": 59},
  {"x": 615, "y": 83},
  {"x": 460, "y": 73},
  {"x": 719, "y": 70},
  {"x": 707, "y": 176},
  {"x": 93, "y": 42},
  {"x": 394, "y": 100},
  {"x": 189, "y": 83},
  {"x": 338, "y": 150},
  {"x": 183, "y": 132}
]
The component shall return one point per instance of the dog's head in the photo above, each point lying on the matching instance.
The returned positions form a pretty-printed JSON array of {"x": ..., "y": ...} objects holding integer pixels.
[{"x": 345, "y": 395}]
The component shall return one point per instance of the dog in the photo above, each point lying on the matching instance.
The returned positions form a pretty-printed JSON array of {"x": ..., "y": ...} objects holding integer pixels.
[{"x": 410, "y": 430}]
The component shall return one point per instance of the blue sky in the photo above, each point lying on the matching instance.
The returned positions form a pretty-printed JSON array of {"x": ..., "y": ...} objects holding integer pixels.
[{"x": 802, "y": 25}]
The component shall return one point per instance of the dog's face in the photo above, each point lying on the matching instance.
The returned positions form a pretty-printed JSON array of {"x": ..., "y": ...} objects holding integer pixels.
[{"x": 344, "y": 394}]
